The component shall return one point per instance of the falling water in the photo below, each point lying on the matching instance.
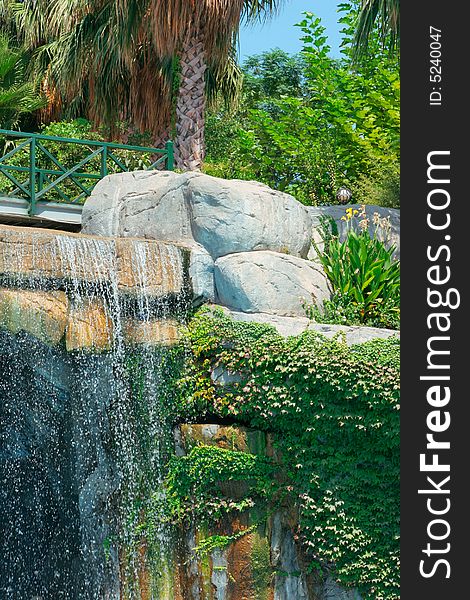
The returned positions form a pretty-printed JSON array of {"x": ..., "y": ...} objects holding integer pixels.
[{"x": 83, "y": 433}]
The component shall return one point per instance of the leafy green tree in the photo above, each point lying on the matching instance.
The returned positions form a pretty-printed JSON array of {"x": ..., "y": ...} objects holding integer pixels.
[
  {"x": 273, "y": 74},
  {"x": 18, "y": 96},
  {"x": 339, "y": 125}
]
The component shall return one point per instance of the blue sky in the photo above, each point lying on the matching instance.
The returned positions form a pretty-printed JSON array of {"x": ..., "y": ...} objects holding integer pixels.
[{"x": 280, "y": 32}]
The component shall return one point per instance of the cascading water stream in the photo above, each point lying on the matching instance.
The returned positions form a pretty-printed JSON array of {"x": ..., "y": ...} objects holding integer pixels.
[{"x": 83, "y": 432}]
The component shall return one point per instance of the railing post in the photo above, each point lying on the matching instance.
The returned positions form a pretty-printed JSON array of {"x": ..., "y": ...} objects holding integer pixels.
[
  {"x": 170, "y": 158},
  {"x": 32, "y": 176},
  {"x": 104, "y": 161}
]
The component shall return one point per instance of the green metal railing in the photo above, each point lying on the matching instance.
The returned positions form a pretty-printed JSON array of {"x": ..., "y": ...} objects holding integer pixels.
[{"x": 31, "y": 171}]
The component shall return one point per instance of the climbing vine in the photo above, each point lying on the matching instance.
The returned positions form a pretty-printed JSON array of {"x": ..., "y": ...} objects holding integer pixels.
[
  {"x": 195, "y": 482},
  {"x": 333, "y": 411}
]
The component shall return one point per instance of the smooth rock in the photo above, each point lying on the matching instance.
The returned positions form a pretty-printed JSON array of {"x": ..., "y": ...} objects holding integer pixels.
[
  {"x": 41, "y": 314},
  {"x": 269, "y": 282},
  {"x": 148, "y": 202},
  {"x": 89, "y": 326},
  {"x": 353, "y": 334},
  {"x": 230, "y": 216},
  {"x": 224, "y": 216},
  {"x": 201, "y": 274}
]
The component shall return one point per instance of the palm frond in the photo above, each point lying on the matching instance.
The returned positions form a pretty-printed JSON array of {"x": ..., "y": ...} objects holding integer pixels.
[
  {"x": 382, "y": 13},
  {"x": 224, "y": 81}
]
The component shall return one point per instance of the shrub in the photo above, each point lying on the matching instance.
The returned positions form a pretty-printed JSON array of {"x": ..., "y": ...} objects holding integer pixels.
[{"x": 364, "y": 275}]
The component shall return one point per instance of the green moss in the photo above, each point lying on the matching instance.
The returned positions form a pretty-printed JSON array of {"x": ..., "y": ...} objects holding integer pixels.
[{"x": 261, "y": 570}]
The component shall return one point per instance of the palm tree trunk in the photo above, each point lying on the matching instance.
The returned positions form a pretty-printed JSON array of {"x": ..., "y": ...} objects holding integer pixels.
[{"x": 190, "y": 104}]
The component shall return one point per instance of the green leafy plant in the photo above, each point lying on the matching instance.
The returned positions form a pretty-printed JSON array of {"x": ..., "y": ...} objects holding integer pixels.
[
  {"x": 198, "y": 476},
  {"x": 332, "y": 412},
  {"x": 364, "y": 275},
  {"x": 309, "y": 123},
  {"x": 18, "y": 95}
]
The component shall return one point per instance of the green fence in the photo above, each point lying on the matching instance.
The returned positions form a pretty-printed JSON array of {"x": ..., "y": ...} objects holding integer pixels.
[{"x": 38, "y": 167}]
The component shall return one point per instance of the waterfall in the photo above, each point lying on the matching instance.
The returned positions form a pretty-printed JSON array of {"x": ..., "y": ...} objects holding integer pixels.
[{"x": 84, "y": 324}]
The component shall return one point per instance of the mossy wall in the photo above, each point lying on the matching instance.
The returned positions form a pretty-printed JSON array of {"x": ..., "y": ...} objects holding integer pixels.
[{"x": 329, "y": 464}]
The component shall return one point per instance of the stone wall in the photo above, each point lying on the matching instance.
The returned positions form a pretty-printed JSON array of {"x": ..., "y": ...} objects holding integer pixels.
[
  {"x": 66, "y": 289},
  {"x": 264, "y": 564}
]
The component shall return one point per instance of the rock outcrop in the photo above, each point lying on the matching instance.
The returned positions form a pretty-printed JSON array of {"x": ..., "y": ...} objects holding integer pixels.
[
  {"x": 269, "y": 282},
  {"x": 42, "y": 314},
  {"x": 264, "y": 563},
  {"x": 72, "y": 288},
  {"x": 288, "y": 326},
  {"x": 224, "y": 216},
  {"x": 248, "y": 242},
  {"x": 43, "y": 257}
]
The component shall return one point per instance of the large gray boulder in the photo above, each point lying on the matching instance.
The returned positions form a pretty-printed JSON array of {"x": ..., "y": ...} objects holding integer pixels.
[
  {"x": 241, "y": 216},
  {"x": 269, "y": 282},
  {"x": 224, "y": 216},
  {"x": 147, "y": 204}
]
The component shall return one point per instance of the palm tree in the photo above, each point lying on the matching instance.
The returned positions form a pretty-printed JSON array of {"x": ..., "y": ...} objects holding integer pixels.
[
  {"x": 146, "y": 61},
  {"x": 89, "y": 65},
  {"x": 17, "y": 96},
  {"x": 387, "y": 13},
  {"x": 201, "y": 33}
]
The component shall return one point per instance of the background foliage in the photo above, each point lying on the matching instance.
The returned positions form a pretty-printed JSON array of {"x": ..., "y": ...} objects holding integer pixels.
[
  {"x": 18, "y": 95},
  {"x": 308, "y": 124}
]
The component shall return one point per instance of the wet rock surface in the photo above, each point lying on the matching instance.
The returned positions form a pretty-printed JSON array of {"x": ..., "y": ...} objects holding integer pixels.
[
  {"x": 45, "y": 258},
  {"x": 264, "y": 564},
  {"x": 53, "y": 431}
]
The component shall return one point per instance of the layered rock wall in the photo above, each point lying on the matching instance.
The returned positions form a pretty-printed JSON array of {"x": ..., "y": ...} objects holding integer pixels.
[
  {"x": 69, "y": 288},
  {"x": 71, "y": 306}
]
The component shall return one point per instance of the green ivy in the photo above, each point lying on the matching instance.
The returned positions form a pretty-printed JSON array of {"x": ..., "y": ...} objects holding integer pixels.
[
  {"x": 194, "y": 484},
  {"x": 334, "y": 414}
]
